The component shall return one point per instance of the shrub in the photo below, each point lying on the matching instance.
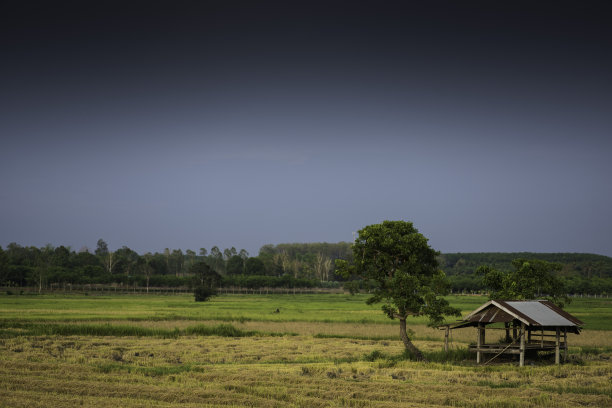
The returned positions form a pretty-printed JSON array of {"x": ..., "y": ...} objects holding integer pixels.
[
  {"x": 374, "y": 355},
  {"x": 204, "y": 293}
]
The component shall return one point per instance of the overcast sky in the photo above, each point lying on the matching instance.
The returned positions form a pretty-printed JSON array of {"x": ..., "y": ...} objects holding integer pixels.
[{"x": 192, "y": 124}]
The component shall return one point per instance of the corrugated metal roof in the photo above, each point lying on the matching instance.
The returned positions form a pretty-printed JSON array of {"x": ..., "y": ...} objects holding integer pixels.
[
  {"x": 532, "y": 313},
  {"x": 540, "y": 313},
  {"x": 515, "y": 312},
  {"x": 562, "y": 312}
]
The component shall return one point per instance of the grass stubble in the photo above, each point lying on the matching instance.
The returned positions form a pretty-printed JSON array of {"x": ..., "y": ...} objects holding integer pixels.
[{"x": 273, "y": 363}]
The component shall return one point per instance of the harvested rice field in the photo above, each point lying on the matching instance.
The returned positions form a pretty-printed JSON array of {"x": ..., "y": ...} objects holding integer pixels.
[{"x": 235, "y": 351}]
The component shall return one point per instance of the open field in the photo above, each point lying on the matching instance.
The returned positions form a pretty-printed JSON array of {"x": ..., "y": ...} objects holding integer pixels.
[{"x": 319, "y": 350}]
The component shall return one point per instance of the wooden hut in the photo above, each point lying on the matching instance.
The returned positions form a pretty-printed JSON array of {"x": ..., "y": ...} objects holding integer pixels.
[{"x": 530, "y": 326}]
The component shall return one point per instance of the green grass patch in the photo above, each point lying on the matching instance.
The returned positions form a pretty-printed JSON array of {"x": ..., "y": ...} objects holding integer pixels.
[
  {"x": 506, "y": 384},
  {"x": 584, "y": 390},
  {"x": 375, "y": 355},
  {"x": 15, "y": 329},
  {"x": 156, "y": 371},
  {"x": 451, "y": 356},
  {"x": 595, "y": 351},
  {"x": 353, "y": 336},
  {"x": 223, "y": 330},
  {"x": 324, "y": 308}
]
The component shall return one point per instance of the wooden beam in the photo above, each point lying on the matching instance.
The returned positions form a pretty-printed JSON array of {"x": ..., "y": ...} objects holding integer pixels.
[
  {"x": 446, "y": 339},
  {"x": 493, "y": 350},
  {"x": 528, "y": 335},
  {"x": 557, "y": 349},
  {"x": 484, "y": 335},
  {"x": 478, "y": 344},
  {"x": 522, "y": 355},
  {"x": 565, "y": 344}
]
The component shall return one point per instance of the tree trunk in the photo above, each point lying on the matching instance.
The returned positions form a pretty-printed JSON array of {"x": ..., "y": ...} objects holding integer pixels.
[{"x": 408, "y": 344}]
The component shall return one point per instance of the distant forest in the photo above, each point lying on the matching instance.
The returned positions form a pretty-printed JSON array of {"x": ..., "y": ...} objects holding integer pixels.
[
  {"x": 582, "y": 273},
  {"x": 299, "y": 265}
]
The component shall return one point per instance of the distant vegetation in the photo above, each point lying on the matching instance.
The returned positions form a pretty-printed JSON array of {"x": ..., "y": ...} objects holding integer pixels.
[
  {"x": 284, "y": 265},
  {"x": 292, "y": 265},
  {"x": 582, "y": 273}
]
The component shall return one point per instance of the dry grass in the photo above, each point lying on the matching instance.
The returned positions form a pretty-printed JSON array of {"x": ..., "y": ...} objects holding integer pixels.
[
  {"x": 317, "y": 364},
  {"x": 274, "y": 372},
  {"x": 374, "y": 331}
]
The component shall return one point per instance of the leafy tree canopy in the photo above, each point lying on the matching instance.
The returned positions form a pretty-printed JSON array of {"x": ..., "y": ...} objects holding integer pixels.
[
  {"x": 530, "y": 279},
  {"x": 404, "y": 267},
  {"x": 205, "y": 275},
  {"x": 255, "y": 266},
  {"x": 235, "y": 265}
]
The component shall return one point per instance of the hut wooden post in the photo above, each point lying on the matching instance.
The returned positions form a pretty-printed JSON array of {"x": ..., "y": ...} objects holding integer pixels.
[
  {"x": 478, "y": 343},
  {"x": 507, "y": 327},
  {"x": 528, "y": 335},
  {"x": 483, "y": 335},
  {"x": 557, "y": 348},
  {"x": 565, "y": 344},
  {"x": 446, "y": 339},
  {"x": 522, "y": 349}
]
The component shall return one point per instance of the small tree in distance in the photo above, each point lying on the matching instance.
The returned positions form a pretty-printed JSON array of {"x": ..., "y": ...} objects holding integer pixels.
[
  {"x": 207, "y": 281},
  {"x": 399, "y": 260}
]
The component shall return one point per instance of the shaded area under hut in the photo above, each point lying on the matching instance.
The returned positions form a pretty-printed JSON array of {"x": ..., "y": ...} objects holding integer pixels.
[{"x": 530, "y": 327}]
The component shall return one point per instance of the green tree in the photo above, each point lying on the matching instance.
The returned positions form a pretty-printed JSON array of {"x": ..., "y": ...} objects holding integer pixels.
[
  {"x": 322, "y": 264},
  {"x": 191, "y": 255},
  {"x": 205, "y": 275},
  {"x": 235, "y": 265},
  {"x": 176, "y": 261},
  {"x": 146, "y": 267},
  {"x": 530, "y": 279},
  {"x": 216, "y": 259},
  {"x": 398, "y": 258},
  {"x": 4, "y": 266},
  {"x": 207, "y": 281},
  {"x": 43, "y": 263},
  {"x": 101, "y": 248},
  {"x": 106, "y": 256},
  {"x": 255, "y": 266},
  {"x": 126, "y": 261},
  {"x": 61, "y": 257}
]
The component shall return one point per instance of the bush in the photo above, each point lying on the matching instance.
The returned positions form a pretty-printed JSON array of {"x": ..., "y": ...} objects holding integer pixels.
[{"x": 204, "y": 293}]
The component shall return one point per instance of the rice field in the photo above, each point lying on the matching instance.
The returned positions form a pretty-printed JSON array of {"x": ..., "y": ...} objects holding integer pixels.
[{"x": 236, "y": 351}]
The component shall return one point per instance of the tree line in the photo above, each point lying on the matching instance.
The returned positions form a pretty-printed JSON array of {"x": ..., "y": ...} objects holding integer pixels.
[
  {"x": 275, "y": 266},
  {"x": 300, "y": 265},
  {"x": 581, "y": 273}
]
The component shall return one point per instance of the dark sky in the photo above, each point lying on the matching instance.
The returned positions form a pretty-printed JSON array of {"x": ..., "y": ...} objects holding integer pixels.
[{"x": 192, "y": 124}]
